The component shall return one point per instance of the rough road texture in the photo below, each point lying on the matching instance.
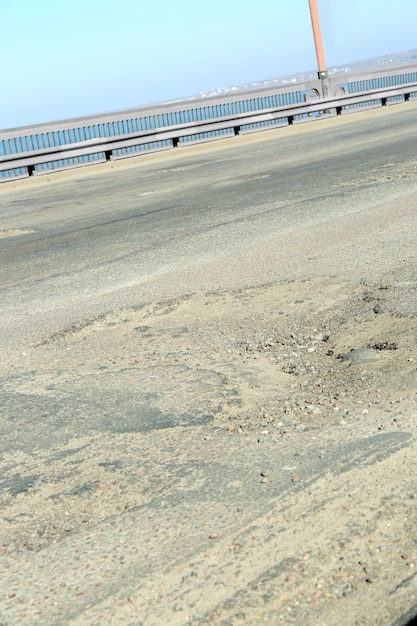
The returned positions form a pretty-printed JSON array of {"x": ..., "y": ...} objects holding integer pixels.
[{"x": 228, "y": 457}]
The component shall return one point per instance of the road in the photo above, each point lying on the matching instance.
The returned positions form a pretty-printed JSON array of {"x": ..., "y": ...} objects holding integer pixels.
[{"x": 174, "y": 437}]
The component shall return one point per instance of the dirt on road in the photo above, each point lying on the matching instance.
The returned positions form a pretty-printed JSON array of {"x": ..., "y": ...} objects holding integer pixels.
[{"x": 271, "y": 478}]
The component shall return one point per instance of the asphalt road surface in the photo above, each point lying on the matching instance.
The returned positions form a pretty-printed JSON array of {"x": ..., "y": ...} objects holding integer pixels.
[{"x": 209, "y": 383}]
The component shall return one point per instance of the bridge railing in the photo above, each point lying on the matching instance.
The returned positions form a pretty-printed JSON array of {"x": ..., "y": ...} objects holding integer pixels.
[{"x": 43, "y": 148}]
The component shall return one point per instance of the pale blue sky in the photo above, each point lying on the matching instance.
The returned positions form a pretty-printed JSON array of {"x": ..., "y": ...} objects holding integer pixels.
[{"x": 69, "y": 58}]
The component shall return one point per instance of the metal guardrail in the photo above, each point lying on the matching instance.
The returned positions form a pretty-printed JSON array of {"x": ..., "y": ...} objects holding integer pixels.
[{"x": 72, "y": 143}]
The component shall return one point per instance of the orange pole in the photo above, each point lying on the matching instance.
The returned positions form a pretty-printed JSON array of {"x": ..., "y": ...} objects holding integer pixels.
[{"x": 317, "y": 38}]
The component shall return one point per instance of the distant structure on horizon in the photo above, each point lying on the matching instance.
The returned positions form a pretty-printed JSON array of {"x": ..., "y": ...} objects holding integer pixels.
[{"x": 397, "y": 58}]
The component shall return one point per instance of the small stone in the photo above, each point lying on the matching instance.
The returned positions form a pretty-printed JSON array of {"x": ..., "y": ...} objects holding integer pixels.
[{"x": 371, "y": 576}]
